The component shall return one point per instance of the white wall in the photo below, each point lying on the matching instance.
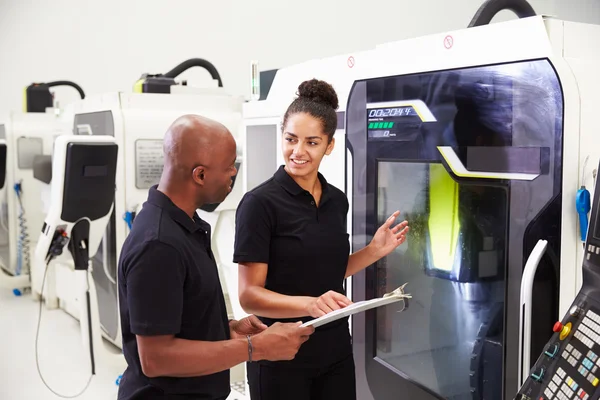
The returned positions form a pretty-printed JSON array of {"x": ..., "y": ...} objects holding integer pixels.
[{"x": 106, "y": 45}]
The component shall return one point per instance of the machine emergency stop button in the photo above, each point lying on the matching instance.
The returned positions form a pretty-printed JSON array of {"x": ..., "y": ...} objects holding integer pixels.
[
  {"x": 563, "y": 329},
  {"x": 566, "y": 329}
]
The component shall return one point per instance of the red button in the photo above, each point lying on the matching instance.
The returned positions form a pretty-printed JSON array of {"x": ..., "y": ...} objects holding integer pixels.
[{"x": 557, "y": 327}]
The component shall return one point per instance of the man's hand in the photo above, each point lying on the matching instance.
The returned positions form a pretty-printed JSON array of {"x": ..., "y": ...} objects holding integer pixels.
[
  {"x": 326, "y": 303},
  {"x": 280, "y": 341},
  {"x": 250, "y": 325}
]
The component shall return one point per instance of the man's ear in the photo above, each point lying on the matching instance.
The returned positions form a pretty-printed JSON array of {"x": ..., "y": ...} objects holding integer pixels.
[{"x": 198, "y": 175}]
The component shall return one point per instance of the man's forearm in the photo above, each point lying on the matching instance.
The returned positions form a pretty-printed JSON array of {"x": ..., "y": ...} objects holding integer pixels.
[{"x": 183, "y": 358}]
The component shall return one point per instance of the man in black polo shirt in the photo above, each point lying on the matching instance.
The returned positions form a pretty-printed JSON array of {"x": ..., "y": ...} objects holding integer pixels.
[{"x": 177, "y": 340}]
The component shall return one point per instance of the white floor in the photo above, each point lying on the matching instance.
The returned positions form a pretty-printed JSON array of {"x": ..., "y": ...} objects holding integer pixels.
[{"x": 62, "y": 358}]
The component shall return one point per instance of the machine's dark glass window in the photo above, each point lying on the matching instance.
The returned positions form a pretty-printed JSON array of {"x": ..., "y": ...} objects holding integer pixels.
[
  {"x": 453, "y": 262},
  {"x": 472, "y": 158}
]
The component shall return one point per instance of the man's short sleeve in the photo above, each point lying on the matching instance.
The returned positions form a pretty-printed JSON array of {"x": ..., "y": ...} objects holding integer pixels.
[
  {"x": 154, "y": 278},
  {"x": 253, "y": 229}
]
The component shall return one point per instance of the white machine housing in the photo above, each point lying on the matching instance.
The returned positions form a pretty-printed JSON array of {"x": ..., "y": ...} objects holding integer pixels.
[
  {"x": 138, "y": 123},
  {"x": 27, "y": 135},
  {"x": 572, "y": 49},
  {"x": 54, "y": 218},
  {"x": 54, "y": 221}
]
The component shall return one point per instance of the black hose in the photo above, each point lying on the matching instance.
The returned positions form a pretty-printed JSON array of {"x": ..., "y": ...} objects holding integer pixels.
[
  {"x": 67, "y": 83},
  {"x": 490, "y": 8},
  {"x": 195, "y": 62}
]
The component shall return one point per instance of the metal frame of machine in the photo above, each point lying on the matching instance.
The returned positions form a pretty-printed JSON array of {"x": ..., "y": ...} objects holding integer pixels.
[{"x": 575, "y": 62}]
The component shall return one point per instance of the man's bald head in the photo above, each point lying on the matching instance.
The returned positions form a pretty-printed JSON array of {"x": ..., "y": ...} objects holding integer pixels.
[
  {"x": 191, "y": 141},
  {"x": 199, "y": 158}
]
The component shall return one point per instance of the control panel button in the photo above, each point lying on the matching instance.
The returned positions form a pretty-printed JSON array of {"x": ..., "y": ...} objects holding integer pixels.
[
  {"x": 566, "y": 329},
  {"x": 557, "y": 327},
  {"x": 538, "y": 374},
  {"x": 552, "y": 350},
  {"x": 575, "y": 311}
]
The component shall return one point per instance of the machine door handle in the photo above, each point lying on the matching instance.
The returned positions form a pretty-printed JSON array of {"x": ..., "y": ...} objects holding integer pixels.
[{"x": 526, "y": 299}]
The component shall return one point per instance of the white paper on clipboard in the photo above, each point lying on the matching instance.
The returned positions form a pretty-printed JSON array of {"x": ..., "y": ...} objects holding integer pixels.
[{"x": 388, "y": 298}]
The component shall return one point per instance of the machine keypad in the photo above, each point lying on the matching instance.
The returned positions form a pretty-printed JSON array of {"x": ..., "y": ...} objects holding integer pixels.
[
  {"x": 579, "y": 376},
  {"x": 583, "y": 371},
  {"x": 572, "y": 361},
  {"x": 566, "y": 390},
  {"x": 592, "y": 356},
  {"x": 563, "y": 386},
  {"x": 561, "y": 373},
  {"x": 582, "y": 394},
  {"x": 583, "y": 339}
]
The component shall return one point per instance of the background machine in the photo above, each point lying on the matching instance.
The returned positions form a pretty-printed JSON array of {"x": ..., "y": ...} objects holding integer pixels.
[
  {"x": 568, "y": 367},
  {"x": 81, "y": 201},
  {"x": 28, "y": 134},
  {"x": 481, "y": 145},
  {"x": 138, "y": 122}
]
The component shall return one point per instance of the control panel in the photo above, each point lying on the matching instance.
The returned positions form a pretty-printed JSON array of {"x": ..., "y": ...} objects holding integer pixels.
[{"x": 569, "y": 367}]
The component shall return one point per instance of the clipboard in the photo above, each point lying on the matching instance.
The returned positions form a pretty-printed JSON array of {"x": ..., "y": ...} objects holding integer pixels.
[{"x": 388, "y": 298}]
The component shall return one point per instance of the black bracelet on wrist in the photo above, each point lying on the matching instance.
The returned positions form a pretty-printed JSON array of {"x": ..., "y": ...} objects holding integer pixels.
[{"x": 249, "y": 348}]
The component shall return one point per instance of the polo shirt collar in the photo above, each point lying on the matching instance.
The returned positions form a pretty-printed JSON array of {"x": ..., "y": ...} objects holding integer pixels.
[
  {"x": 288, "y": 183},
  {"x": 161, "y": 200}
]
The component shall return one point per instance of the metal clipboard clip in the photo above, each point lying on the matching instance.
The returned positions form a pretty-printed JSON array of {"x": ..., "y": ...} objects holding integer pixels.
[{"x": 399, "y": 293}]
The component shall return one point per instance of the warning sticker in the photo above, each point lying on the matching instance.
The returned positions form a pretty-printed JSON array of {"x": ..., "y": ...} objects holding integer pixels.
[{"x": 149, "y": 162}]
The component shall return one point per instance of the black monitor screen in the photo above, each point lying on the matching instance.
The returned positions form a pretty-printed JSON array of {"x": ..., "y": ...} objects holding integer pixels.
[{"x": 597, "y": 222}]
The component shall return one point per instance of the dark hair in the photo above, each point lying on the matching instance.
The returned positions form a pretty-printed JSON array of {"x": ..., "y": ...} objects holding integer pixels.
[{"x": 318, "y": 99}]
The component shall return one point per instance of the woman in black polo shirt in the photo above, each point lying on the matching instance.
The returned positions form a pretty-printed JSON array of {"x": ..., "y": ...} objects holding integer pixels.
[{"x": 292, "y": 248}]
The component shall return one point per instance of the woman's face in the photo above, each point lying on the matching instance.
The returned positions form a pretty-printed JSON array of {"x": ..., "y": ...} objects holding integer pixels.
[{"x": 304, "y": 144}]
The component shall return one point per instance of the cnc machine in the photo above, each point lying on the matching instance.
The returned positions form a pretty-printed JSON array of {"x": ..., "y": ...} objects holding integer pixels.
[
  {"x": 480, "y": 144},
  {"x": 28, "y": 134},
  {"x": 138, "y": 122}
]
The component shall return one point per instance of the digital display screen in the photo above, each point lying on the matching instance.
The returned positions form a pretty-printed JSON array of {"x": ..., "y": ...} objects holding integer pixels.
[
  {"x": 94, "y": 171},
  {"x": 398, "y": 120},
  {"x": 393, "y": 112}
]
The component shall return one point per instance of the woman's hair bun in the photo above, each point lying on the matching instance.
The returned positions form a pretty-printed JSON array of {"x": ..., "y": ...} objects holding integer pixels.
[{"x": 319, "y": 92}]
